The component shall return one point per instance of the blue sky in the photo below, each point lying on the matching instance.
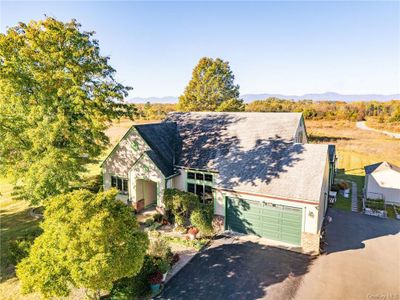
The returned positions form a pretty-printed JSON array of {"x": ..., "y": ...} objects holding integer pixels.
[{"x": 273, "y": 47}]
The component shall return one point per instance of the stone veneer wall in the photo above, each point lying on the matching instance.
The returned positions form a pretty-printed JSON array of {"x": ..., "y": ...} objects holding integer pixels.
[{"x": 310, "y": 243}]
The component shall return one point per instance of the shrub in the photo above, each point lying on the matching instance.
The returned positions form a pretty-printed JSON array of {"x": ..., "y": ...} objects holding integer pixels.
[
  {"x": 343, "y": 185},
  {"x": 180, "y": 204},
  {"x": 335, "y": 188},
  {"x": 163, "y": 265},
  {"x": 160, "y": 249},
  {"x": 375, "y": 204},
  {"x": 202, "y": 219},
  {"x": 154, "y": 226},
  {"x": 137, "y": 286},
  {"x": 180, "y": 229},
  {"x": 149, "y": 222},
  {"x": 179, "y": 220},
  {"x": 19, "y": 248},
  {"x": 158, "y": 217},
  {"x": 155, "y": 277},
  {"x": 153, "y": 234}
]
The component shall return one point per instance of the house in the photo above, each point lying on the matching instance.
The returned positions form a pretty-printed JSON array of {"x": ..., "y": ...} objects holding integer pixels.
[
  {"x": 382, "y": 181},
  {"x": 256, "y": 169}
]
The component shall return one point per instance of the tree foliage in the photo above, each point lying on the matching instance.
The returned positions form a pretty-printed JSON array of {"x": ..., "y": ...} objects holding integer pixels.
[
  {"x": 202, "y": 219},
  {"x": 57, "y": 96},
  {"x": 329, "y": 110},
  {"x": 88, "y": 240},
  {"x": 211, "y": 88}
]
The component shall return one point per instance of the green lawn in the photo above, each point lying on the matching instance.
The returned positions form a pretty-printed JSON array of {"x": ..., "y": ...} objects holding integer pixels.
[
  {"x": 15, "y": 222},
  {"x": 342, "y": 202}
]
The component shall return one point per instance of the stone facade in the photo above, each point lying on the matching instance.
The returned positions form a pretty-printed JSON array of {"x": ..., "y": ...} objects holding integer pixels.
[
  {"x": 218, "y": 223},
  {"x": 310, "y": 243}
]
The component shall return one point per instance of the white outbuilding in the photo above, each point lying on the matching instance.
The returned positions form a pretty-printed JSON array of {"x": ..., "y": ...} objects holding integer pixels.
[{"x": 382, "y": 181}]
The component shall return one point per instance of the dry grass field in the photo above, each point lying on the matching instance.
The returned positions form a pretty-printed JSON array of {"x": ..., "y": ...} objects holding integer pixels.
[
  {"x": 386, "y": 126},
  {"x": 356, "y": 148}
]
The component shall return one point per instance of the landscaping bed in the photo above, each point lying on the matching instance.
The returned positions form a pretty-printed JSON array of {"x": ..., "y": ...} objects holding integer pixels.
[{"x": 375, "y": 207}]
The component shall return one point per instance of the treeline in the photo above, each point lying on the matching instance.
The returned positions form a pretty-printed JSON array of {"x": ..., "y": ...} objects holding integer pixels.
[
  {"x": 154, "y": 111},
  {"x": 331, "y": 110},
  {"x": 312, "y": 110}
]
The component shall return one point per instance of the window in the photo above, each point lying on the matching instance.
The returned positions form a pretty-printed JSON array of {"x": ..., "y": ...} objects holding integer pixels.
[
  {"x": 199, "y": 190},
  {"x": 199, "y": 176},
  {"x": 120, "y": 183},
  {"x": 191, "y": 188},
  {"x": 208, "y": 177},
  {"x": 200, "y": 184},
  {"x": 207, "y": 189}
]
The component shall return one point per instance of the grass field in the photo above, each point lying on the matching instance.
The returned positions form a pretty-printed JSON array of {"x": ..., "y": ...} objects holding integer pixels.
[
  {"x": 386, "y": 126},
  {"x": 355, "y": 148}
]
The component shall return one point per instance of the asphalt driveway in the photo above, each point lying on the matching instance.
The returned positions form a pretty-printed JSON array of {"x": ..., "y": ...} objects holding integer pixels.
[
  {"x": 362, "y": 262},
  {"x": 237, "y": 269}
]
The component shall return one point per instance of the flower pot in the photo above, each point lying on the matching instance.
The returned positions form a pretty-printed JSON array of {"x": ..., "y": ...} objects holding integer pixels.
[
  {"x": 192, "y": 236},
  {"x": 155, "y": 288}
]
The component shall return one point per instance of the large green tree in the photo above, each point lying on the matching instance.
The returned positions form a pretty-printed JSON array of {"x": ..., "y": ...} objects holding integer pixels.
[
  {"x": 211, "y": 88},
  {"x": 57, "y": 96},
  {"x": 88, "y": 241}
]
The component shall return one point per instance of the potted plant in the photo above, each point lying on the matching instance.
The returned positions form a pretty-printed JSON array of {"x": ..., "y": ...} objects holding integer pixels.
[
  {"x": 193, "y": 231},
  {"x": 155, "y": 281},
  {"x": 163, "y": 267}
]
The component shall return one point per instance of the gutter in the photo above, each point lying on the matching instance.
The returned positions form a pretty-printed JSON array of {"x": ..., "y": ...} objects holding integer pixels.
[{"x": 271, "y": 197}]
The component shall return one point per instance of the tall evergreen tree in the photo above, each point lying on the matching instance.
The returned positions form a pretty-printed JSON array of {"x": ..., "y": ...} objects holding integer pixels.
[
  {"x": 211, "y": 88},
  {"x": 57, "y": 96}
]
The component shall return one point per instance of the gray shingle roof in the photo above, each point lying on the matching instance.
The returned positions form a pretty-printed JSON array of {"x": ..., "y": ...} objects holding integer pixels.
[
  {"x": 280, "y": 169},
  {"x": 206, "y": 136},
  {"x": 161, "y": 138},
  {"x": 252, "y": 152},
  {"x": 384, "y": 165}
]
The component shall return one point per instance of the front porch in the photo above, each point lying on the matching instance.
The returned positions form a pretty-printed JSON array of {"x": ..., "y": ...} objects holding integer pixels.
[{"x": 145, "y": 195}]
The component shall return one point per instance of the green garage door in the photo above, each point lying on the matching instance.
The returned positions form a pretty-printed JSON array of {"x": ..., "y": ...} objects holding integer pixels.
[{"x": 275, "y": 222}]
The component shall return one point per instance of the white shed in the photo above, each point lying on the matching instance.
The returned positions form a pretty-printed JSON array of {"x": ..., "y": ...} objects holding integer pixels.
[{"x": 382, "y": 181}]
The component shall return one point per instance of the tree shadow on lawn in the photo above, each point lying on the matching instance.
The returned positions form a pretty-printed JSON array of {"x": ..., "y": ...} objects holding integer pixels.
[
  {"x": 13, "y": 226},
  {"x": 239, "y": 271}
]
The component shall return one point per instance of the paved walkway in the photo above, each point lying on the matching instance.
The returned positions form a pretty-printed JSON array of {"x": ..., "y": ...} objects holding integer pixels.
[
  {"x": 363, "y": 126},
  {"x": 354, "y": 200}
]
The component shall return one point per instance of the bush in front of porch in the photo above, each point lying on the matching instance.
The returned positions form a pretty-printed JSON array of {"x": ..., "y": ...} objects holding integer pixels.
[{"x": 185, "y": 210}]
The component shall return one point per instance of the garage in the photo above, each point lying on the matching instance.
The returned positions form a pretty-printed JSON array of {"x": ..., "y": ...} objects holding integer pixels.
[{"x": 275, "y": 222}]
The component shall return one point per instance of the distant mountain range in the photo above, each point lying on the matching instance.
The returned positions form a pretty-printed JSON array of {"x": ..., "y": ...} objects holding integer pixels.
[{"x": 329, "y": 96}]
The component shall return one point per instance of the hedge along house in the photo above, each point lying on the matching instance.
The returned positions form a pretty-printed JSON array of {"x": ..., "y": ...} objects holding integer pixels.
[{"x": 256, "y": 169}]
